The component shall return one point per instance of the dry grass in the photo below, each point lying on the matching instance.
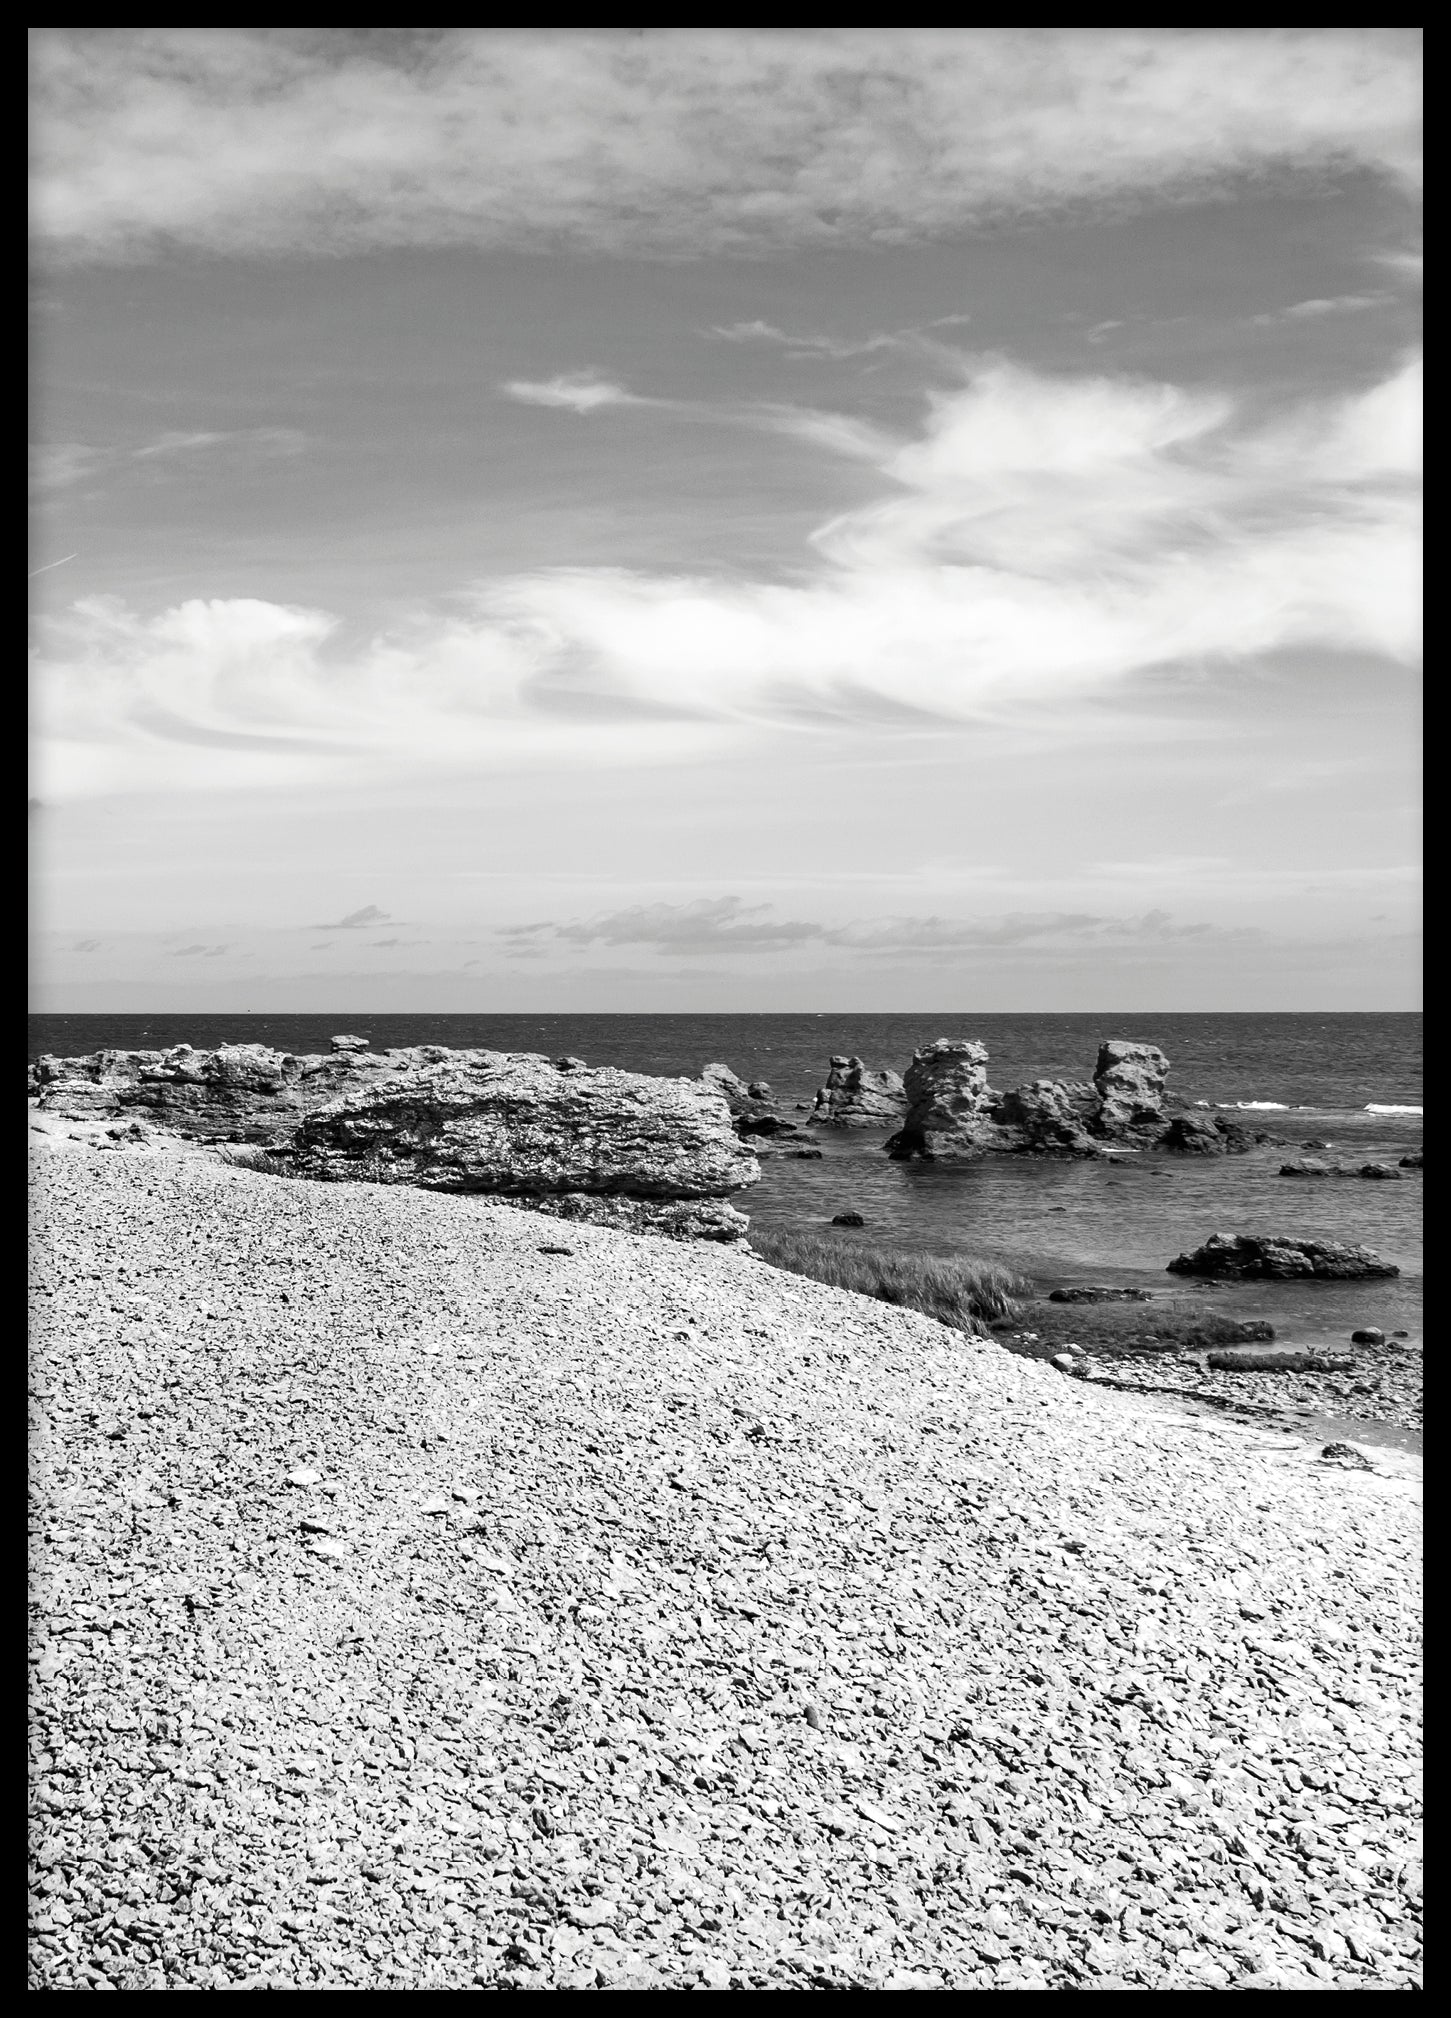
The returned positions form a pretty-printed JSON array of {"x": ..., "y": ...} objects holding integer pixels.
[{"x": 966, "y": 1295}]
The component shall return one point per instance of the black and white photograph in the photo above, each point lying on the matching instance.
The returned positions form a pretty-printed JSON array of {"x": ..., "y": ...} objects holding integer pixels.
[{"x": 725, "y": 1062}]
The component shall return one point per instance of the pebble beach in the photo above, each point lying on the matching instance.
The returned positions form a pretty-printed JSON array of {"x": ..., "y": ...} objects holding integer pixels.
[{"x": 428, "y": 1594}]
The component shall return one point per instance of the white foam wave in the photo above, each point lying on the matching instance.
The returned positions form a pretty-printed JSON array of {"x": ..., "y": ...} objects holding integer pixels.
[
  {"x": 1265, "y": 1106},
  {"x": 1375, "y": 1107}
]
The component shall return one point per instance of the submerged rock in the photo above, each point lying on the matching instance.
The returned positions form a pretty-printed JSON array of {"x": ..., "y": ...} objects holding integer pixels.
[
  {"x": 619, "y": 1148},
  {"x": 1279, "y": 1258},
  {"x": 855, "y": 1096},
  {"x": 1381, "y": 1170},
  {"x": 1092, "y": 1294}
]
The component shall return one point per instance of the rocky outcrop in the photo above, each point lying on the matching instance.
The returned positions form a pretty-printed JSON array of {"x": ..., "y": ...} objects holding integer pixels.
[
  {"x": 1275, "y": 1257},
  {"x": 1051, "y": 1115},
  {"x": 1278, "y": 1359},
  {"x": 1197, "y": 1135},
  {"x": 1308, "y": 1166},
  {"x": 855, "y": 1096},
  {"x": 949, "y": 1105},
  {"x": 1129, "y": 1080},
  {"x": 757, "y": 1117},
  {"x": 617, "y": 1148},
  {"x": 238, "y": 1093},
  {"x": 1415, "y": 1161},
  {"x": 1378, "y": 1170},
  {"x": 954, "y": 1115}
]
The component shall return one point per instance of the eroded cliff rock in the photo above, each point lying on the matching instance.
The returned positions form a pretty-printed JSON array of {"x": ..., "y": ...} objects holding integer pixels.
[
  {"x": 855, "y": 1096},
  {"x": 949, "y": 1104},
  {"x": 619, "y": 1148}
]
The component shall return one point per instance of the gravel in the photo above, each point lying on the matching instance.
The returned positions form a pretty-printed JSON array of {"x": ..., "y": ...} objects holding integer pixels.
[{"x": 417, "y": 1609}]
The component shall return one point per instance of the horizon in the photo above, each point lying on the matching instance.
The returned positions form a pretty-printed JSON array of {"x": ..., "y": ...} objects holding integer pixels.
[{"x": 796, "y": 516}]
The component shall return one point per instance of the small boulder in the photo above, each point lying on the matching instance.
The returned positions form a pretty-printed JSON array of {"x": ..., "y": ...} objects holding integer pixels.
[
  {"x": 848, "y": 1219},
  {"x": 1379, "y": 1170},
  {"x": 1279, "y": 1258},
  {"x": 760, "y": 1089},
  {"x": 1314, "y": 1142},
  {"x": 1413, "y": 1161},
  {"x": 1308, "y": 1166},
  {"x": 348, "y": 1043},
  {"x": 1065, "y": 1361},
  {"x": 1369, "y": 1335}
]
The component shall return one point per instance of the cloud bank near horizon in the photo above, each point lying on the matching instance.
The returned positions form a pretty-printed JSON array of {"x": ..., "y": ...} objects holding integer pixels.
[{"x": 677, "y": 142}]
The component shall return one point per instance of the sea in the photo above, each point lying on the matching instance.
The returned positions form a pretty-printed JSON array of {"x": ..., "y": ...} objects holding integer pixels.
[{"x": 1350, "y": 1082}]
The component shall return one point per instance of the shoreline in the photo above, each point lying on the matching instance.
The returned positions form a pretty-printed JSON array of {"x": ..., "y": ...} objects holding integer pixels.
[{"x": 657, "y": 1619}]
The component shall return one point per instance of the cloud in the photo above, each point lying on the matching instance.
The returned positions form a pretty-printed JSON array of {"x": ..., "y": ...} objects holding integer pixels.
[
  {"x": 580, "y": 392},
  {"x": 705, "y": 925},
  {"x": 832, "y": 346},
  {"x": 268, "y": 440},
  {"x": 681, "y": 142},
  {"x": 728, "y": 925},
  {"x": 86, "y": 946},
  {"x": 355, "y": 920},
  {"x": 1313, "y": 310},
  {"x": 1038, "y": 543},
  {"x": 208, "y": 952}
]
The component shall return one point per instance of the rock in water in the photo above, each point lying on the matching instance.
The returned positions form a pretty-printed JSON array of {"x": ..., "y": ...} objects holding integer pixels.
[
  {"x": 1308, "y": 1166},
  {"x": 1091, "y": 1293},
  {"x": 949, "y": 1104},
  {"x": 1415, "y": 1161},
  {"x": 1051, "y": 1115},
  {"x": 1275, "y": 1256},
  {"x": 855, "y": 1096},
  {"x": 1195, "y": 1135},
  {"x": 620, "y": 1148},
  {"x": 1379, "y": 1170},
  {"x": 1130, "y": 1081},
  {"x": 848, "y": 1219},
  {"x": 349, "y": 1043}
]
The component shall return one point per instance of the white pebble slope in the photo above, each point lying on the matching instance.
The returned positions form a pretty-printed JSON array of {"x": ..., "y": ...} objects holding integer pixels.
[{"x": 689, "y": 1625}]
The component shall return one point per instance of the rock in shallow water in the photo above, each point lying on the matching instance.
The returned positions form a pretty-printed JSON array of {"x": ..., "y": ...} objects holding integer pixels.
[{"x": 1277, "y": 1257}]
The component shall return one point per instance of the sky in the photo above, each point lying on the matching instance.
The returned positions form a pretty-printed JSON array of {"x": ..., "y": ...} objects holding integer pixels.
[{"x": 742, "y": 519}]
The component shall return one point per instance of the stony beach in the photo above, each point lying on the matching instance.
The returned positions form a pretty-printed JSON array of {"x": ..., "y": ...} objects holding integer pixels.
[{"x": 430, "y": 1594}]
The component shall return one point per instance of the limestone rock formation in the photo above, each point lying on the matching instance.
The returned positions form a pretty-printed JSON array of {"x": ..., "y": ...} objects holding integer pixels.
[
  {"x": 1275, "y": 1256},
  {"x": 1051, "y": 1114},
  {"x": 619, "y": 1148},
  {"x": 855, "y": 1096},
  {"x": 756, "y": 1115},
  {"x": 949, "y": 1105},
  {"x": 1307, "y": 1166},
  {"x": 1130, "y": 1082},
  {"x": 1197, "y": 1135}
]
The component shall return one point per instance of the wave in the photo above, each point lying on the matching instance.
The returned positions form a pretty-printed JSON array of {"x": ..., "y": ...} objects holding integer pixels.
[
  {"x": 1264, "y": 1106},
  {"x": 1375, "y": 1107}
]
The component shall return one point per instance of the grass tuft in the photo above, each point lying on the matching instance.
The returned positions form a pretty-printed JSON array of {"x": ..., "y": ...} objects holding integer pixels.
[
  {"x": 250, "y": 1156},
  {"x": 966, "y": 1295}
]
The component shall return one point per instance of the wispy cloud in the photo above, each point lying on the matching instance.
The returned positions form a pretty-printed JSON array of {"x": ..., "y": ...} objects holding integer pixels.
[
  {"x": 265, "y": 440},
  {"x": 57, "y": 466},
  {"x": 355, "y": 920},
  {"x": 207, "y": 952},
  {"x": 833, "y": 347},
  {"x": 1038, "y": 543},
  {"x": 1318, "y": 307},
  {"x": 580, "y": 392},
  {"x": 683, "y": 142}
]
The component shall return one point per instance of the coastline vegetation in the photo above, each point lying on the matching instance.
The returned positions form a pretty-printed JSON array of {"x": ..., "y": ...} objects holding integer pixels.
[
  {"x": 1168, "y": 1325},
  {"x": 967, "y": 1296}
]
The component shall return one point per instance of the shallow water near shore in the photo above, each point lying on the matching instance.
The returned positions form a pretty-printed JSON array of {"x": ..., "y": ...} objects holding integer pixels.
[{"x": 1057, "y": 1222}]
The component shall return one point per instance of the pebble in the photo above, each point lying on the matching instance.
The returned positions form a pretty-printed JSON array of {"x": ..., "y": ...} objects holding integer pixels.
[{"x": 565, "y": 1741}]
